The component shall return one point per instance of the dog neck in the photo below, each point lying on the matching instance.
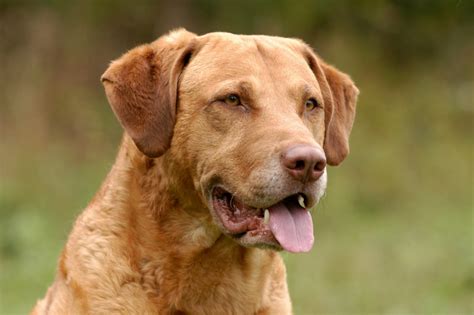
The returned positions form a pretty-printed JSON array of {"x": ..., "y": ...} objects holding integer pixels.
[
  {"x": 163, "y": 214},
  {"x": 166, "y": 236}
]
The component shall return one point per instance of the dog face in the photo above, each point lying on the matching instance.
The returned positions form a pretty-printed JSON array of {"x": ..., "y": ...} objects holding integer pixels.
[{"x": 252, "y": 119}]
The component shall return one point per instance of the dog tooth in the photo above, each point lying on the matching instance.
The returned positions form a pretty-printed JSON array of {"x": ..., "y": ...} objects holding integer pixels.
[
  {"x": 266, "y": 216},
  {"x": 301, "y": 201}
]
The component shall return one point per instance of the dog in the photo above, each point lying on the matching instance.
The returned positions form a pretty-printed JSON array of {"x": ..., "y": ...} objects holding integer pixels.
[{"x": 225, "y": 147}]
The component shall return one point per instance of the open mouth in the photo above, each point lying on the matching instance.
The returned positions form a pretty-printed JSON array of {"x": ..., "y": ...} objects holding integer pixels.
[{"x": 286, "y": 224}]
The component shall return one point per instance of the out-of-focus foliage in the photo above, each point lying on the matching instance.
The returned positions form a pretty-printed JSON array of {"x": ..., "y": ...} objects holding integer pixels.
[{"x": 394, "y": 233}]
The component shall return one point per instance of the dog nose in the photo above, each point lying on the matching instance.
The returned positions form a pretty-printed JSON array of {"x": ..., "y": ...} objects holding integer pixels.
[{"x": 305, "y": 163}]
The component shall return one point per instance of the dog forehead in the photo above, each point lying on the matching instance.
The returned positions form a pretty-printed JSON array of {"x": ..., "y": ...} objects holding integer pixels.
[
  {"x": 226, "y": 56},
  {"x": 231, "y": 46}
]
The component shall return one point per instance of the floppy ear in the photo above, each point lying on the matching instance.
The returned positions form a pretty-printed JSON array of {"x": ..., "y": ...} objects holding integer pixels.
[
  {"x": 142, "y": 86},
  {"x": 340, "y": 97}
]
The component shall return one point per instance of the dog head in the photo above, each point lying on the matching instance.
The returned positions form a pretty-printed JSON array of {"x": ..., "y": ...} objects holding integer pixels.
[{"x": 252, "y": 120}]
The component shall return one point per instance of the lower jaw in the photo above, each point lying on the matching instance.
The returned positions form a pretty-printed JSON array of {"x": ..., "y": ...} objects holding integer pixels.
[{"x": 258, "y": 239}]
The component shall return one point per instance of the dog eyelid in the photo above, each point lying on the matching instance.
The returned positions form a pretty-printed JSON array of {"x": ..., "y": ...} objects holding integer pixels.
[
  {"x": 311, "y": 104},
  {"x": 310, "y": 97},
  {"x": 232, "y": 99}
]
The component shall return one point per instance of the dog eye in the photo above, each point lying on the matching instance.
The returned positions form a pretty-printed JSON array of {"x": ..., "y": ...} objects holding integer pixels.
[
  {"x": 232, "y": 100},
  {"x": 311, "y": 104}
]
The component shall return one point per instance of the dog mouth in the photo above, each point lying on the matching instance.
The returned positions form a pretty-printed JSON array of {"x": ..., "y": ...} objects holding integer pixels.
[{"x": 286, "y": 224}]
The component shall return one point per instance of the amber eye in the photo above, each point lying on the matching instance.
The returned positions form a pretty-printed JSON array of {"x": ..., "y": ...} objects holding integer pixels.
[
  {"x": 311, "y": 104},
  {"x": 232, "y": 100}
]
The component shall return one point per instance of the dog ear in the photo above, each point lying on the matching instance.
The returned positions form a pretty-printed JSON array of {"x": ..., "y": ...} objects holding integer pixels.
[
  {"x": 142, "y": 87},
  {"x": 340, "y": 97}
]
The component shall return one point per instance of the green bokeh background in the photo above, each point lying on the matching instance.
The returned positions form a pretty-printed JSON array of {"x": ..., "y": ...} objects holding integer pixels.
[{"x": 395, "y": 231}]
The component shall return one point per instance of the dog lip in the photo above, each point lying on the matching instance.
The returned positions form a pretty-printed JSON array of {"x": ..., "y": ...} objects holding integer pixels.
[
  {"x": 238, "y": 218},
  {"x": 309, "y": 198},
  {"x": 248, "y": 230},
  {"x": 235, "y": 216}
]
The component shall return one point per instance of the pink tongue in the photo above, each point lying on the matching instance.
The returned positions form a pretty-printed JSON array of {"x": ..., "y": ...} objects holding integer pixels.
[{"x": 292, "y": 228}]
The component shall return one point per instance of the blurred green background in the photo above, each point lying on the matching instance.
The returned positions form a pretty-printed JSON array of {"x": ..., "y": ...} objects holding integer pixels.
[{"x": 395, "y": 231}]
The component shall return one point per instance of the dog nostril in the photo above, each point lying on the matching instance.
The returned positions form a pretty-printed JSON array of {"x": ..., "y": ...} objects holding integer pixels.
[
  {"x": 319, "y": 166},
  {"x": 300, "y": 164}
]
